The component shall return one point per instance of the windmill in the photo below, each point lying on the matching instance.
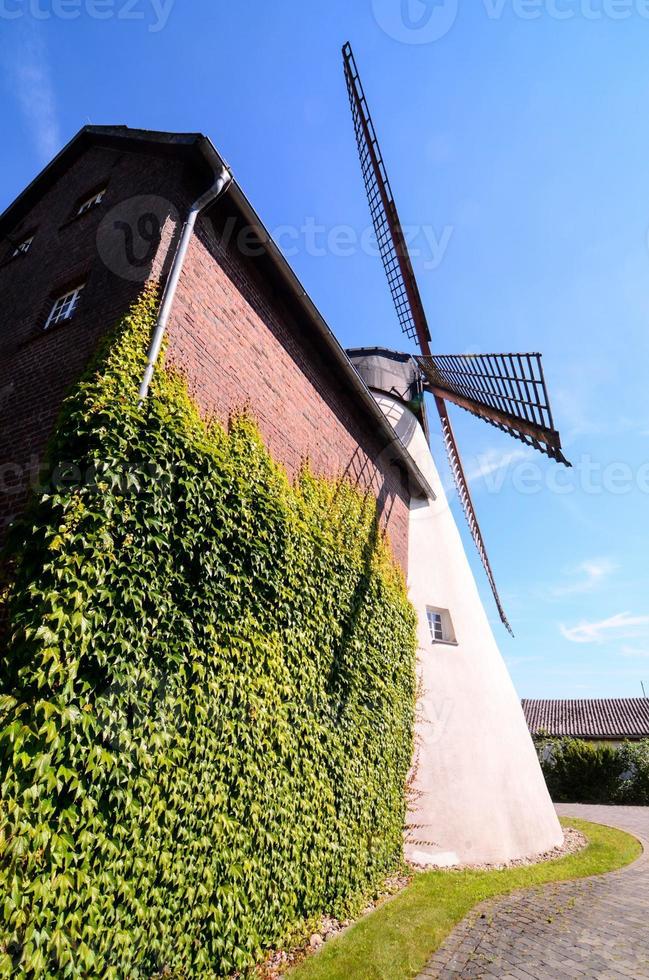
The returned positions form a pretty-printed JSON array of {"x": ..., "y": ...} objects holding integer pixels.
[{"x": 506, "y": 390}]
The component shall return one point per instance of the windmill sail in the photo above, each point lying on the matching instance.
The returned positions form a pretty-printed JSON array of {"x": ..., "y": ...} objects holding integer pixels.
[
  {"x": 403, "y": 285},
  {"x": 464, "y": 495},
  {"x": 389, "y": 233},
  {"x": 507, "y": 390}
]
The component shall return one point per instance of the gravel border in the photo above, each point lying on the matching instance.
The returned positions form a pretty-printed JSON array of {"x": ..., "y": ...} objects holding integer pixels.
[
  {"x": 573, "y": 842},
  {"x": 279, "y": 961}
]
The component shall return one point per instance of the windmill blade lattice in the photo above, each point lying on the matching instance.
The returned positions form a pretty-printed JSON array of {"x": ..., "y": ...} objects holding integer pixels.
[
  {"x": 506, "y": 390},
  {"x": 389, "y": 233},
  {"x": 403, "y": 285},
  {"x": 464, "y": 494}
]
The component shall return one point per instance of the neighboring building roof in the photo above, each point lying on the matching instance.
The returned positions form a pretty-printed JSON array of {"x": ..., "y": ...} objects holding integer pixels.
[
  {"x": 198, "y": 150},
  {"x": 601, "y": 718}
]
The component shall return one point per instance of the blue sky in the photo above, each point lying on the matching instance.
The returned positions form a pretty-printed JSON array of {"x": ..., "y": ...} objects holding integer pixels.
[{"x": 516, "y": 136}]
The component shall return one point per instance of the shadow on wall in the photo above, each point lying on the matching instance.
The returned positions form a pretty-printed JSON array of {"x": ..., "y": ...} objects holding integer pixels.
[{"x": 340, "y": 677}]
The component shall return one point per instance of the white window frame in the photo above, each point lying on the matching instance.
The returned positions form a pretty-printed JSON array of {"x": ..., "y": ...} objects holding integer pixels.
[
  {"x": 92, "y": 201},
  {"x": 23, "y": 247},
  {"x": 435, "y": 626},
  {"x": 440, "y": 626},
  {"x": 64, "y": 307}
]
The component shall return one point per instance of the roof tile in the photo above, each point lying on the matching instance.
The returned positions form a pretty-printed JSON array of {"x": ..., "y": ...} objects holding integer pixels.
[{"x": 602, "y": 718}]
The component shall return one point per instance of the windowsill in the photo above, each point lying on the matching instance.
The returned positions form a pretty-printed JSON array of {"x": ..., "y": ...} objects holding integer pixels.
[
  {"x": 78, "y": 217},
  {"x": 444, "y": 643},
  {"x": 13, "y": 258},
  {"x": 41, "y": 332}
]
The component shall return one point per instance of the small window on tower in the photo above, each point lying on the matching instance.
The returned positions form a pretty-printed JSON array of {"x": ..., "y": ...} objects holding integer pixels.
[
  {"x": 440, "y": 625},
  {"x": 63, "y": 307},
  {"x": 23, "y": 247},
  {"x": 92, "y": 201}
]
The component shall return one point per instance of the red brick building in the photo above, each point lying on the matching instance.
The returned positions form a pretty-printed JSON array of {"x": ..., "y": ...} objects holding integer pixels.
[{"x": 105, "y": 216}]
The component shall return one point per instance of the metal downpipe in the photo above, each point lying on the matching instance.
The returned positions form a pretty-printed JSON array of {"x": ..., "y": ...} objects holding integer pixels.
[{"x": 220, "y": 185}]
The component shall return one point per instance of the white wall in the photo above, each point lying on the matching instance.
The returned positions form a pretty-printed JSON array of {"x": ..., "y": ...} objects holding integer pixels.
[{"x": 479, "y": 795}]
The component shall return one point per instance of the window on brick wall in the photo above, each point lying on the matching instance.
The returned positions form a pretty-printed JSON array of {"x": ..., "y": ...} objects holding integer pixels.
[
  {"x": 63, "y": 307},
  {"x": 23, "y": 247},
  {"x": 440, "y": 625},
  {"x": 92, "y": 201}
]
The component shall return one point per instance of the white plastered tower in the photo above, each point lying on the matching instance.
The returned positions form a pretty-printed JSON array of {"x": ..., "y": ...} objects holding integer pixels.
[{"x": 477, "y": 794}]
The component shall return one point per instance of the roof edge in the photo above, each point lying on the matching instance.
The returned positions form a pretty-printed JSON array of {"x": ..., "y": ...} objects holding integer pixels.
[
  {"x": 214, "y": 160},
  {"x": 306, "y": 303}
]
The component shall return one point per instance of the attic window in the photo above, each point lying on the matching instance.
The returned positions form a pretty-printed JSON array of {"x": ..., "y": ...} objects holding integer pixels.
[
  {"x": 23, "y": 247},
  {"x": 63, "y": 307},
  {"x": 92, "y": 201},
  {"x": 440, "y": 625}
]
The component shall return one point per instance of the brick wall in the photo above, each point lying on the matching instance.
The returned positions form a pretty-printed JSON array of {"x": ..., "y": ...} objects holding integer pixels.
[
  {"x": 37, "y": 367},
  {"x": 234, "y": 333}
]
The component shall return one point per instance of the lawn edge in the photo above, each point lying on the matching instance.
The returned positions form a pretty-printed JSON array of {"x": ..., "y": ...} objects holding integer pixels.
[{"x": 565, "y": 820}]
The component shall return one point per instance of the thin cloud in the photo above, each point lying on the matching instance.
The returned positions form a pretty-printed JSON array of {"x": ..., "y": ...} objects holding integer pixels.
[
  {"x": 620, "y": 626},
  {"x": 585, "y": 577},
  {"x": 577, "y": 418},
  {"x": 578, "y": 412},
  {"x": 494, "y": 463},
  {"x": 31, "y": 83},
  {"x": 580, "y": 416},
  {"x": 634, "y": 653},
  {"x": 513, "y": 662}
]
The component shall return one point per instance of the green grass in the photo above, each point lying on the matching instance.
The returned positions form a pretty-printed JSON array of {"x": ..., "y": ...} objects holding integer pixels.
[{"x": 396, "y": 941}]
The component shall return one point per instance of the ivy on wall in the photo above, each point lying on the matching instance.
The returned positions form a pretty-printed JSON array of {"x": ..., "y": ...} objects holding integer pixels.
[{"x": 206, "y": 704}]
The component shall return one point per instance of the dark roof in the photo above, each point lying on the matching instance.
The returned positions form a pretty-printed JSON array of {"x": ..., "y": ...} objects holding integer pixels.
[
  {"x": 601, "y": 718},
  {"x": 194, "y": 147}
]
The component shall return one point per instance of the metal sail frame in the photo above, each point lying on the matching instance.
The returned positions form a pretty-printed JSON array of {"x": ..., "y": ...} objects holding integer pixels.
[
  {"x": 464, "y": 495},
  {"x": 389, "y": 233},
  {"x": 491, "y": 386},
  {"x": 506, "y": 390}
]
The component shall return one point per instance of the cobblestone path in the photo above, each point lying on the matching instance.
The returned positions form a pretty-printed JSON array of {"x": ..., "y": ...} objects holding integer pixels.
[{"x": 596, "y": 928}]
